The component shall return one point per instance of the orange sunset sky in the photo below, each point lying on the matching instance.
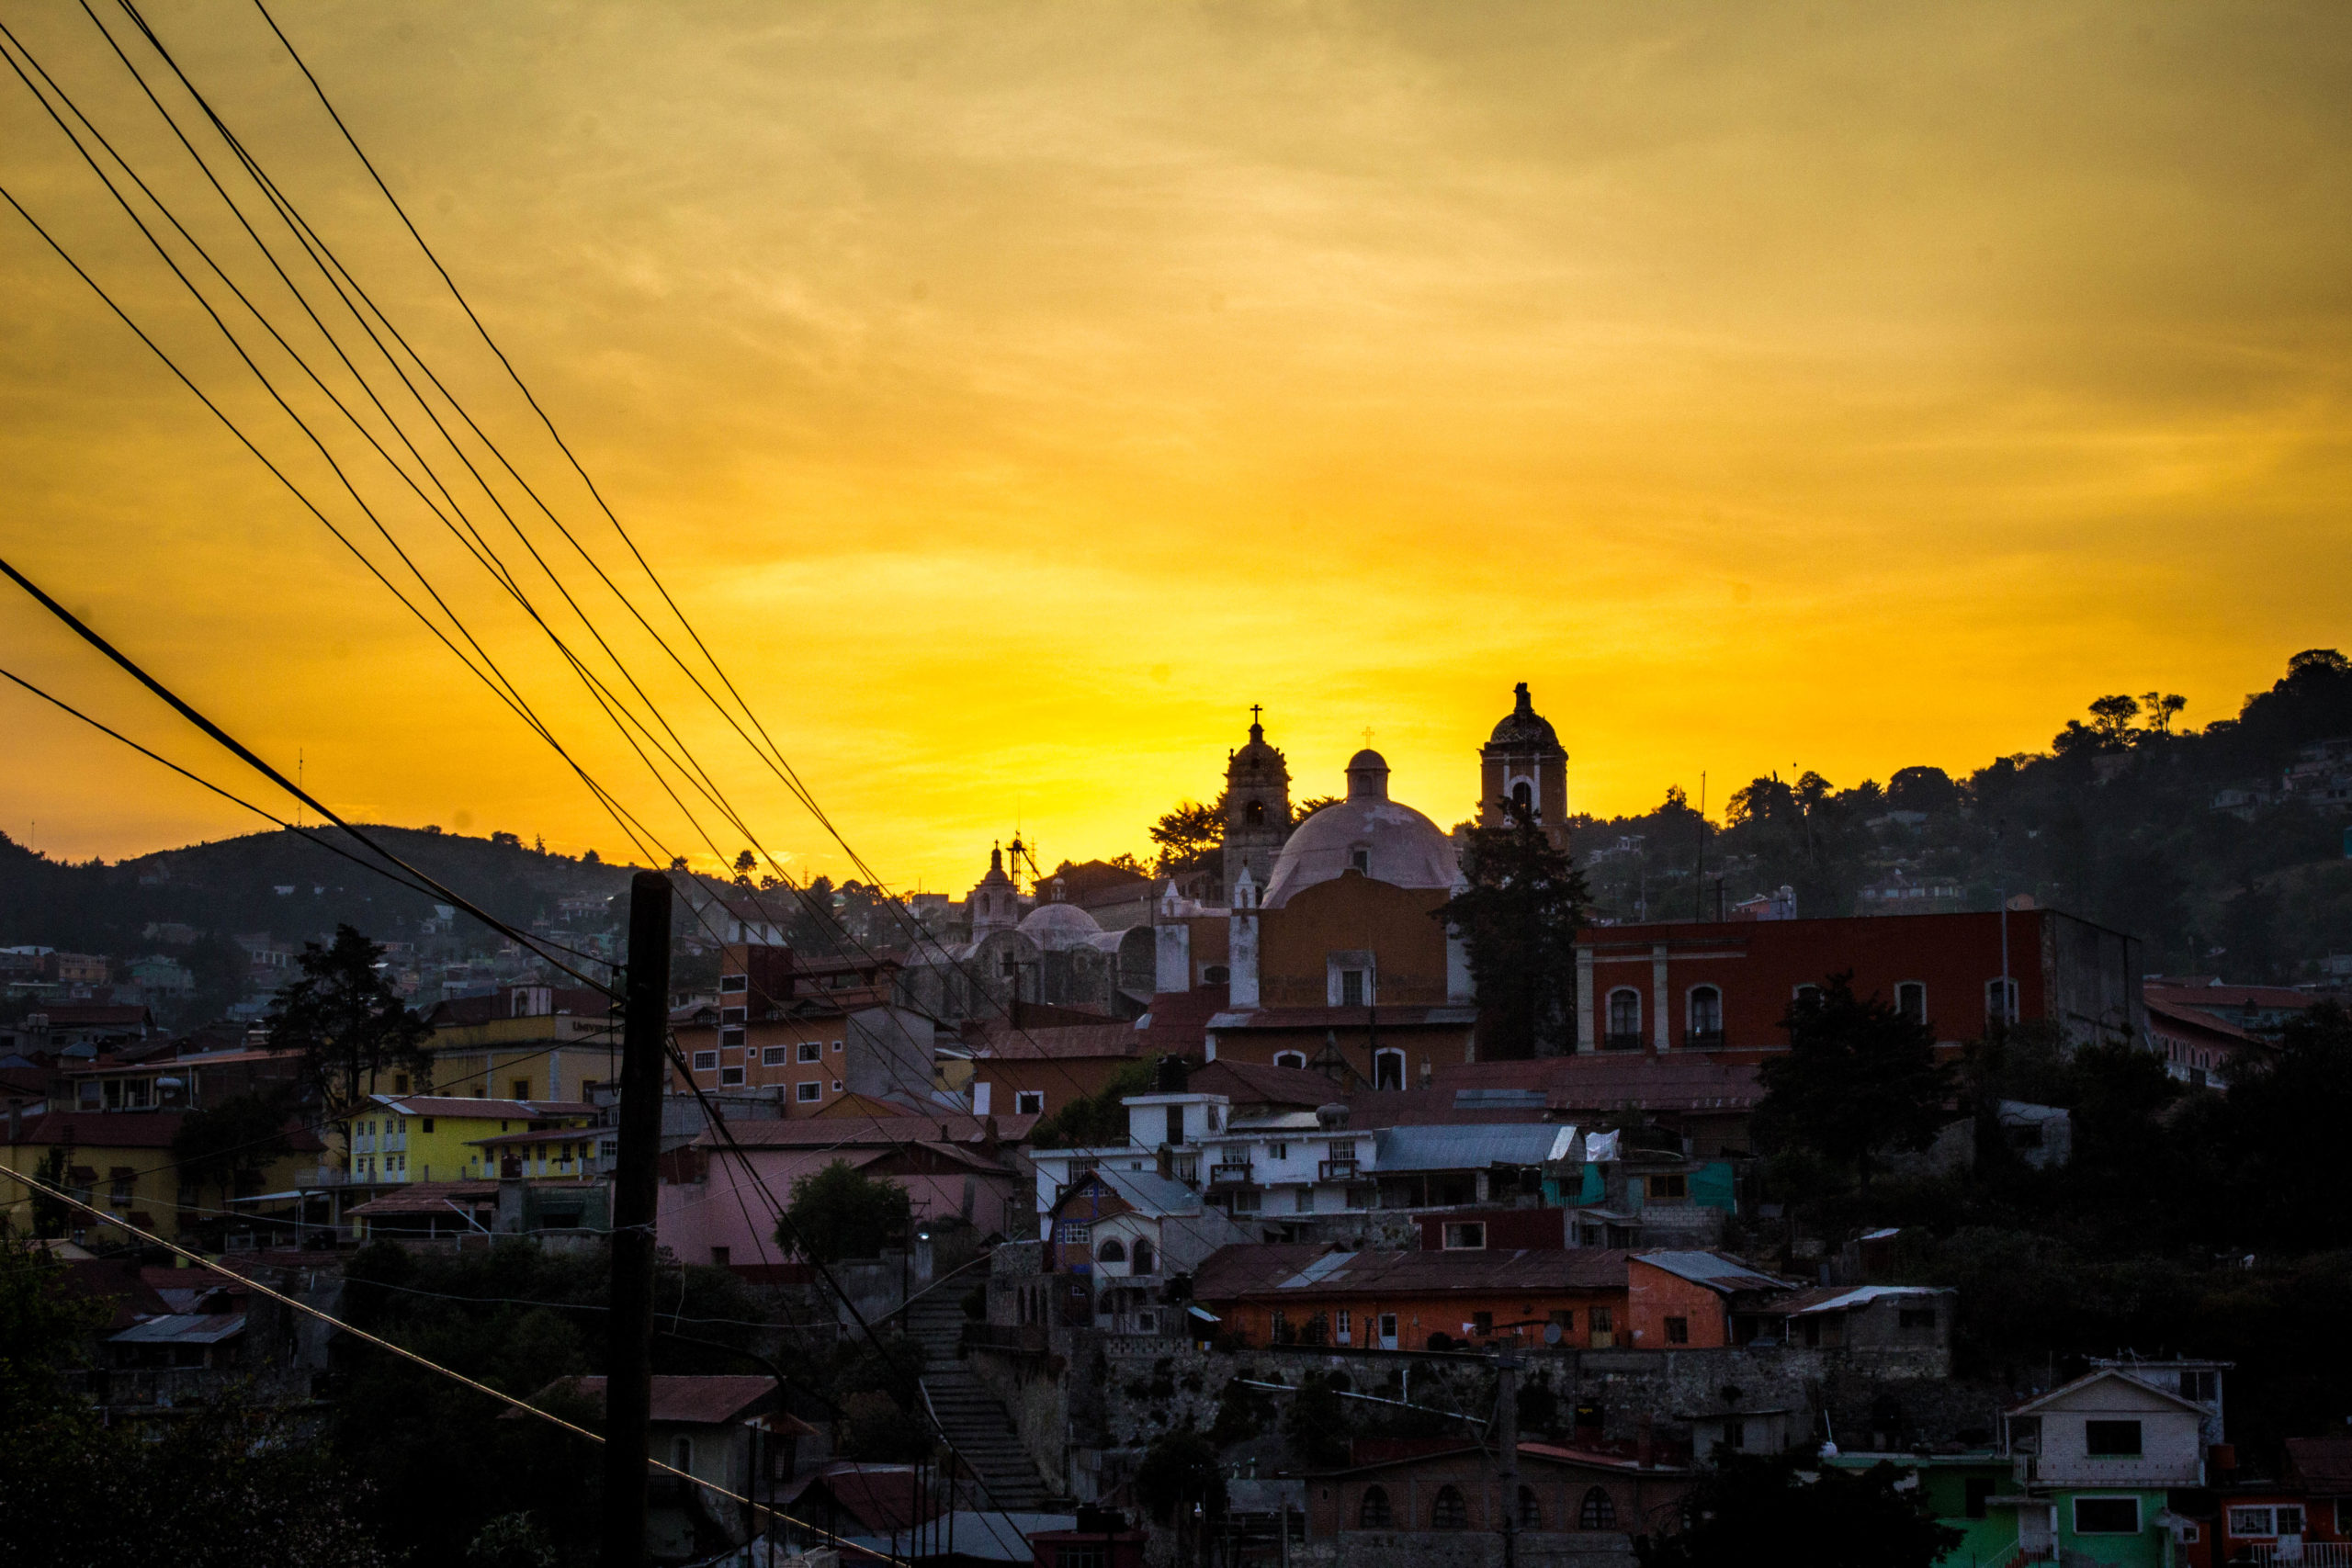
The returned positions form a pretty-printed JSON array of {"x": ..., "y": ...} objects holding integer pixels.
[{"x": 1013, "y": 394}]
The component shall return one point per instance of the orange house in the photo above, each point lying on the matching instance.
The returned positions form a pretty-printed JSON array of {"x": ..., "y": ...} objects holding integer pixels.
[
  {"x": 1685, "y": 1299},
  {"x": 1284, "y": 1294}
]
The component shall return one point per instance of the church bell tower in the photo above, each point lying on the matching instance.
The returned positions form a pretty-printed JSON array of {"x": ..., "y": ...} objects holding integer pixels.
[
  {"x": 1524, "y": 764},
  {"x": 1257, "y": 808}
]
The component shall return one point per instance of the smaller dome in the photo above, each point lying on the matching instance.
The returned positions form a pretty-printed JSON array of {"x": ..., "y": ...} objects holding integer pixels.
[
  {"x": 1057, "y": 928},
  {"x": 1524, "y": 727},
  {"x": 1367, "y": 775}
]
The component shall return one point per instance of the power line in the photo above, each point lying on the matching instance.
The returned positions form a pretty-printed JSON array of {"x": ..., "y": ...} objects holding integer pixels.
[{"x": 524, "y": 1406}]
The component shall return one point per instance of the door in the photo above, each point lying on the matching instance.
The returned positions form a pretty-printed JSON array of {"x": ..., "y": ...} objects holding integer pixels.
[{"x": 1388, "y": 1331}]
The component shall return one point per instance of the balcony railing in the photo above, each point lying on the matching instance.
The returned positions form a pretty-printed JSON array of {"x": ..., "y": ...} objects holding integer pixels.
[
  {"x": 2311, "y": 1554},
  {"x": 1335, "y": 1171},
  {"x": 1622, "y": 1039},
  {"x": 1229, "y": 1175},
  {"x": 1703, "y": 1040}
]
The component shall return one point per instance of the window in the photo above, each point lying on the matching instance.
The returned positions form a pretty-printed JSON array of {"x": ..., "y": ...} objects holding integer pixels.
[
  {"x": 808, "y": 1091},
  {"x": 1807, "y": 992},
  {"x": 428, "y": 1123},
  {"x": 1531, "y": 1512},
  {"x": 522, "y": 1088},
  {"x": 837, "y": 1045},
  {"x": 1374, "y": 1514},
  {"x": 1111, "y": 1252},
  {"x": 719, "y": 1257},
  {"x": 1290, "y": 1058},
  {"x": 1449, "y": 1512},
  {"x": 734, "y": 984},
  {"x": 1465, "y": 1235},
  {"x": 1175, "y": 1125},
  {"x": 1734, "y": 1433},
  {"x": 2111, "y": 1439},
  {"x": 1360, "y": 859},
  {"x": 1347, "y": 1327},
  {"x": 1916, "y": 1318},
  {"x": 837, "y": 1085},
  {"x": 681, "y": 1455},
  {"x": 728, "y": 1039},
  {"x": 1388, "y": 1069},
  {"x": 1911, "y": 1001},
  {"x": 810, "y": 1050},
  {"x": 775, "y": 1056},
  {"x": 2107, "y": 1516},
  {"x": 732, "y": 1015},
  {"x": 730, "y": 1078},
  {"x": 1216, "y": 975},
  {"x": 1278, "y": 1151},
  {"x": 1675, "y": 1186},
  {"x": 1706, "y": 1016},
  {"x": 400, "y": 1083},
  {"x": 1565, "y": 1320},
  {"x": 1248, "y": 1200},
  {"x": 2001, "y": 1001},
  {"x": 2197, "y": 1386},
  {"x": 1624, "y": 1020},
  {"x": 1677, "y": 1331},
  {"x": 1482, "y": 1323},
  {"x": 2285, "y": 1519},
  {"x": 1143, "y": 1261},
  {"x": 1304, "y": 1202},
  {"x": 1076, "y": 1555},
  {"x": 1351, "y": 988},
  {"x": 1029, "y": 1102},
  {"x": 1599, "y": 1511},
  {"x": 1979, "y": 1493}
]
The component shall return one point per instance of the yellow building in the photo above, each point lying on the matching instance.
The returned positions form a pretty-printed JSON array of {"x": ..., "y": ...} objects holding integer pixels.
[
  {"x": 122, "y": 1162},
  {"x": 435, "y": 1137},
  {"x": 533, "y": 1043}
]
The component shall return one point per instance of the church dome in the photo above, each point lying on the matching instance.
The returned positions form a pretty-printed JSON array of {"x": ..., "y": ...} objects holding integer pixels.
[
  {"x": 1523, "y": 727},
  {"x": 1368, "y": 833},
  {"x": 1257, "y": 757},
  {"x": 1057, "y": 928}
]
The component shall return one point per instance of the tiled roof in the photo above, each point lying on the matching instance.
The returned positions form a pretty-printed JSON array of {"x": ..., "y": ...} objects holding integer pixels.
[
  {"x": 1145, "y": 1191},
  {"x": 880, "y": 1497},
  {"x": 2322, "y": 1464},
  {"x": 1179, "y": 1024},
  {"x": 2165, "y": 1012},
  {"x": 1344, "y": 1018},
  {"x": 1253, "y": 1083},
  {"x": 872, "y": 1131},
  {"x": 101, "y": 1130},
  {"x": 1003, "y": 1043},
  {"x": 2255, "y": 997}
]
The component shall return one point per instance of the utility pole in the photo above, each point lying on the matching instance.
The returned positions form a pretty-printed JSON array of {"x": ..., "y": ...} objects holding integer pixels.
[
  {"x": 628, "y": 1381},
  {"x": 1506, "y": 1449}
]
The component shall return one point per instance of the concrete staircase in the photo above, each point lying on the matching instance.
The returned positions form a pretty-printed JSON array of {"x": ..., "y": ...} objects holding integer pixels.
[{"x": 973, "y": 1418}]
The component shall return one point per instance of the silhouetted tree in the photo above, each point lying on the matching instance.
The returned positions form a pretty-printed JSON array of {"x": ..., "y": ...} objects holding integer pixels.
[
  {"x": 840, "y": 1211},
  {"x": 348, "y": 1022},
  {"x": 1859, "y": 1077},
  {"x": 1518, "y": 921},
  {"x": 217, "y": 1144},
  {"x": 1755, "y": 1512},
  {"x": 1190, "y": 838}
]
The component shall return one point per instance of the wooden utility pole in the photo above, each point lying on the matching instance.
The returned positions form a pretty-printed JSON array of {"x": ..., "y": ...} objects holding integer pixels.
[{"x": 629, "y": 1380}]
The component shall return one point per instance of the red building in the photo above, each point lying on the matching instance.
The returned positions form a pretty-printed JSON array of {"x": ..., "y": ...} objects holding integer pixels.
[{"x": 1723, "y": 986}]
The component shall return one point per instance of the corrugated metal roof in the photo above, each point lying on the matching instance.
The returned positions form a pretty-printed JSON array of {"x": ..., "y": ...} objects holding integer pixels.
[
  {"x": 1712, "y": 1269},
  {"x": 1473, "y": 1147},
  {"x": 185, "y": 1328},
  {"x": 1515, "y": 1099}
]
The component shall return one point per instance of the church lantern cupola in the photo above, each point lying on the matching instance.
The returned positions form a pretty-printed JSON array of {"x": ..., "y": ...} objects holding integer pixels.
[{"x": 1257, "y": 807}]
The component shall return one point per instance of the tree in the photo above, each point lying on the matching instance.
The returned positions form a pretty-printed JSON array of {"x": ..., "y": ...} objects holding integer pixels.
[
  {"x": 1316, "y": 1422},
  {"x": 745, "y": 863},
  {"x": 1191, "y": 837},
  {"x": 348, "y": 1023},
  {"x": 2163, "y": 707},
  {"x": 1518, "y": 921},
  {"x": 1859, "y": 1077},
  {"x": 53, "y": 1217},
  {"x": 1757, "y": 1512},
  {"x": 238, "y": 1137},
  {"x": 1310, "y": 805},
  {"x": 2283, "y": 1125},
  {"x": 1095, "y": 1120},
  {"x": 2111, "y": 715},
  {"x": 840, "y": 1211},
  {"x": 1178, "y": 1470}
]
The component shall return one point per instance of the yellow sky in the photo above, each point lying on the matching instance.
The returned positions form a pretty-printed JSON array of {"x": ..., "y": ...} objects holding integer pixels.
[{"x": 1015, "y": 393}]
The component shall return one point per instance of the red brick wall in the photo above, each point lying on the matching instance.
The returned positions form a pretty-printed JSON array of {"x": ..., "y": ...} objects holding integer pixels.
[
  {"x": 1294, "y": 942},
  {"x": 1653, "y": 1295},
  {"x": 1418, "y": 1316}
]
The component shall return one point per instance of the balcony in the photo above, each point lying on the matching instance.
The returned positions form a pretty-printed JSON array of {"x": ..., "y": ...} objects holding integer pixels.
[
  {"x": 1335, "y": 1171},
  {"x": 1225, "y": 1173},
  {"x": 1703, "y": 1040},
  {"x": 1622, "y": 1039}
]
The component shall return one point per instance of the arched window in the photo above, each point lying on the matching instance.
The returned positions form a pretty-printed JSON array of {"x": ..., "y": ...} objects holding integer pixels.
[
  {"x": 1599, "y": 1513},
  {"x": 1531, "y": 1512},
  {"x": 1216, "y": 975},
  {"x": 1290, "y": 1058},
  {"x": 1111, "y": 1252},
  {"x": 1375, "y": 1515},
  {"x": 1624, "y": 1020},
  {"x": 1911, "y": 1000},
  {"x": 1706, "y": 1016},
  {"x": 1143, "y": 1259},
  {"x": 1449, "y": 1512},
  {"x": 1254, "y": 813},
  {"x": 1521, "y": 798},
  {"x": 1388, "y": 1069}
]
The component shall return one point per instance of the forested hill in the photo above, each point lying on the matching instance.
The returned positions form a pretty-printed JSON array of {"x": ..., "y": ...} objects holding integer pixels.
[
  {"x": 235, "y": 886},
  {"x": 2123, "y": 820}
]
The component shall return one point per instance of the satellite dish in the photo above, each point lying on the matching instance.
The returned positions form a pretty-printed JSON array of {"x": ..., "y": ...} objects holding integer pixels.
[{"x": 1552, "y": 1335}]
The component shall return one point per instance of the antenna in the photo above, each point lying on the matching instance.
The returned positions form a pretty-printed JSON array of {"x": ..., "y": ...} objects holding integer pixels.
[{"x": 1016, "y": 853}]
